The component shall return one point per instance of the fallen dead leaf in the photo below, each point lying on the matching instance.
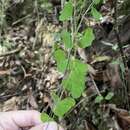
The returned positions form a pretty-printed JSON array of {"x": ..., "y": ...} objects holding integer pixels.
[{"x": 11, "y": 104}]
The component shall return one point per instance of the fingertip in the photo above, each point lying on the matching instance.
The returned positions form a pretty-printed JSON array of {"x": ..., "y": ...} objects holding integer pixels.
[
  {"x": 48, "y": 126},
  {"x": 26, "y": 118},
  {"x": 52, "y": 126},
  {"x": 36, "y": 117}
]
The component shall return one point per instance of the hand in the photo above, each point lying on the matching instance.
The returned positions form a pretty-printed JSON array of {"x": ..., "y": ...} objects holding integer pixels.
[{"x": 17, "y": 120}]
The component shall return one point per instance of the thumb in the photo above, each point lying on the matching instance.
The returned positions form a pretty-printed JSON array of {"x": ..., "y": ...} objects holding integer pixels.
[{"x": 48, "y": 126}]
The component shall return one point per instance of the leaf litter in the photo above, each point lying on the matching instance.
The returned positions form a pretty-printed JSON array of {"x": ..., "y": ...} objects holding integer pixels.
[{"x": 28, "y": 75}]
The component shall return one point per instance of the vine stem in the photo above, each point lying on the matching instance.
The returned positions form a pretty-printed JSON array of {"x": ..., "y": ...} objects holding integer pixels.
[
  {"x": 73, "y": 38},
  {"x": 84, "y": 15},
  {"x": 12, "y": 52}
]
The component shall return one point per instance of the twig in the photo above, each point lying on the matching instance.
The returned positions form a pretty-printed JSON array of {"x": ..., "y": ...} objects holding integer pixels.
[
  {"x": 84, "y": 15},
  {"x": 21, "y": 19},
  {"x": 95, "y": 86},
  {"x": 11, "y": 52}
]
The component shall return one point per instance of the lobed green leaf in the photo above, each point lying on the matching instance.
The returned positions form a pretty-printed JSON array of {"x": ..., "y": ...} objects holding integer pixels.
[
  {"x": 61, "y": 60},
  {"x": 87, "y": 38},
  {"x": 97, "y": 2},
  {"x": 66, "y": 38},
  {"x": 109, "y": 96},
  {"x": 97, "y": 15},
  {"x": 45, "y": 117},
  {"x": 67, "y": 12},
  {"x": 75, "y": 82},
  {"x": 98, "y": 99},
  {"x": 55, "y": 97},
  {"x": 63, "y": 106}
]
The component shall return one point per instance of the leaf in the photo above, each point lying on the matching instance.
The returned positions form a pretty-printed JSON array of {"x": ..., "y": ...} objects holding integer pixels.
[
  {"x": 62, "y": 66},
  {"x": 61, "y": 60},
  {"x": 67, "y": 83},
  {"x": 115, "y": 47},
  {"x": 59, "y": 55},
  {"x": 66, "y": 37},
  {"x": 101, "y": 58},
  {"x": 79, "y": 66},
  {"x": 67, "y": 12},
  {"x": 87, "y": 38},
  {"x": 99, "y": 99},
  {"x": 96, "y": 14},
  {"x": 109, "y": 96},
  {"x": 45, "y": 117},
  {"x": 115, "y": 62},
  {"x": 91, "y": 69},
  {"x": 73, "y": 83},
  {"x": 96, "y": 2},
  {"x": 3, "y": 49},
  {"x": 78, "y": 85},
  {"x": 55, "y": 97},
  {"x": 122, "y": 67},
  {"x": 63, "y": 106}
]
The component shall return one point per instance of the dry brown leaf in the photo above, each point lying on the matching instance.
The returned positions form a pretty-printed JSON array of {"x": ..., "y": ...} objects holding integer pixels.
[
  {"x": 82, "y": 53},
  {"x": 100, "y": 59},
  {"x": 114, "y": 75},
  {"x": 122, "y": 115},
  {"x": 11, "y": 104},
  {"x": 4, "y": 72},
  {"x": 89, "y": 126},
  {"x": 91, "y": 70},
  {"x": 32, "y": 102}
]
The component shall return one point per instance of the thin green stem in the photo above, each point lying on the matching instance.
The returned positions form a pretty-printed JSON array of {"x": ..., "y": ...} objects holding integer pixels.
[{"x": 82, "y": 18}]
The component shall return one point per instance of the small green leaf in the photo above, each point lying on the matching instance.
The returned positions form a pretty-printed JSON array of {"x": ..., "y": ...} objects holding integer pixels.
[
  {"x": 78, "y": 85},
  {"x": 59, "y": 55},
  {"x": 122, "y": 67},
  {"x": 115, "y": 62},
  {"x": 62, "y": 66},
  {"x": 87, "y": 38},
  {"x": 99, "y": 99},
  {"x": 67, "y": 83},
  {"x": 66, "y": 37},
  {"x": 115, "y": 47},
  {"x": 109, "y": 96},
  {"x": 79, "y": 67},
  {"x": 61, "y": 60},
  {"x": 96, "y": 14},
  {"x": 55, "y": 97},
  {"x": 45, "y": 117},
  {"x": 63, "y": 106},
  {"x": 96, "y": 2},
  {"x": 3, "y": 49},
  {"x": 67, "y": 12}
]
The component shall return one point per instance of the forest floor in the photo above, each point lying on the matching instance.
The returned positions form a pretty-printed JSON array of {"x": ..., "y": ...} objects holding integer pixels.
[{"x": 28, "y": 72}]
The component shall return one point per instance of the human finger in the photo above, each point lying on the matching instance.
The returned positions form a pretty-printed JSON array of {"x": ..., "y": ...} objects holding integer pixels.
[
  {"x": 48, "y": 126},
  {"x": 18, "y": 119}
]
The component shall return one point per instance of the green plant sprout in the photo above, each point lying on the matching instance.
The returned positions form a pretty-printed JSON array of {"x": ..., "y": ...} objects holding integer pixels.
[{"x": 73, "y": 69}]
